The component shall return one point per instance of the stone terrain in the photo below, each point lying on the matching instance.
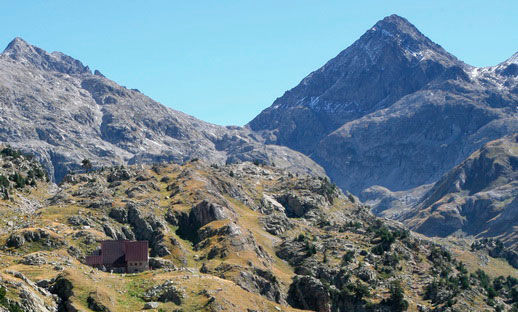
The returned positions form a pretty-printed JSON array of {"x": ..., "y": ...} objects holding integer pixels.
[
  {"x": 394, "y": 110},
  {"x": 386, "y": 118},
  {"x": 238, "y": 221},
  {"x": 479, "y": 197},
  {"x": 54, "y": 107},
  {"x": 238, "y": 237}
]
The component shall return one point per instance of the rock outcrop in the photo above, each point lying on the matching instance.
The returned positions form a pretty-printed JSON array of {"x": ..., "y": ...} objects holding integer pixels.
[
  {"x": 309, "y": 293},
  {"x": 478, "y": 197}
]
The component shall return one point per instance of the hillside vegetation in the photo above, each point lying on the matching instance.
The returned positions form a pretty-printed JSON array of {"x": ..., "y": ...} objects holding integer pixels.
[{"x": 241, "y": 237}]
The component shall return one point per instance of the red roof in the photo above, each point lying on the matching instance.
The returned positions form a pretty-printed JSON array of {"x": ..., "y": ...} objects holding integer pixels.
[
  {"x": 112, "y": 251},
  {"x": 119, "y": 252},
  {"x": 136, "y": 251},
  {"x": 94, "y": 260}
]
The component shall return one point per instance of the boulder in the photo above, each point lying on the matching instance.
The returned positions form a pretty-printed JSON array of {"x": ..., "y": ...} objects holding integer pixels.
[
  {"x": 276, "y": 223},
  {"x": 295, "y": 205},
  {"x": 150, "y": 305},
  {"x": 118, "y": 174},
  {"x": 308, "y": 293},
  {"x": 167, "y": 292},
  {"x": 159, "y": 263},
  {"x": 78, "y": 220},
  {"x": 206, "y": 212},
  {"x": 15, "y": 240},
  {"x": 33, "y": 259},
  {"x": 95, "y": 304}
]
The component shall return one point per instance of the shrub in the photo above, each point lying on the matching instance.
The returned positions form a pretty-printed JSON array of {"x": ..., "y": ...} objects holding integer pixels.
[
  {"x": 86, "y": 164},
  {"x": 360, "y": 291},
  {"x": 11, "y": 307},
  {"x": 310, "y": 248},
  {"x": 4, "y": 181},
  {"x": 354, "y": 292},
  {"x": 348, "y": 256},
  {"x": 327, "y": 189},
  {"x": 499, "y": 283},
  {"x": 9, "y": 151},
  {"x": 514, "y": 295},
  {"x": 462, "y": 268},
  {"x": 386, "y": 240},
  {"x": 464, "y": 281},
  {"x": 397, "y": 298},
  {"x": 511, "y": 281},
  {"x": 18, "y": 180},
  {"x": 491, "y": 292},
  {"x": 483, "y": 278},
  {"x": 440, "y": 256}
]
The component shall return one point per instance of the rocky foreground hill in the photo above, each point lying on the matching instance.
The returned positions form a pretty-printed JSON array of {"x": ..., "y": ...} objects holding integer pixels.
[
  {"x": 239, "y": 237},
  {"x": 393, "y": 111},
  {"x": 54, "y": 107}
]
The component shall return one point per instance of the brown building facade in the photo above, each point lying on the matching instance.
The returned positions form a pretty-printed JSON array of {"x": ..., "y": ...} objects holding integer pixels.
[{"x": 121, "y": 256}]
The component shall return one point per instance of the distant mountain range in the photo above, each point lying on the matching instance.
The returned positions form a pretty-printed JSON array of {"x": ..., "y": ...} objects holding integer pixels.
[{"x": 55, "y": 107}]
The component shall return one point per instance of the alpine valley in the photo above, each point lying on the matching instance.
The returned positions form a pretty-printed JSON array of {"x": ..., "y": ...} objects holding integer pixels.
[{"x": 384, "y": 181}]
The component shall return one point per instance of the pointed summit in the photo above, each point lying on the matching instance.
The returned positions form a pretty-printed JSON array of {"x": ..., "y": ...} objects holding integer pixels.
[
  {"x": 509, "y": 67},
  {"x": 513, "y": 58},
  {"x": 391, "y": 60},
  {"x": 395, "y": 20},
  {"x": 391, "y": 109},
  {"x": 17, "y": 44},
  {"x": 22, "y": 52},
  {"x": 395, "y": 33},
  {"x": 396, "y": 25},
  {"x": 19, "y": 49}
]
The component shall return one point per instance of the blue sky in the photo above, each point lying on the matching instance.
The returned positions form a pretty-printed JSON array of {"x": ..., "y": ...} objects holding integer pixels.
[{"x": 225, "y": 61}]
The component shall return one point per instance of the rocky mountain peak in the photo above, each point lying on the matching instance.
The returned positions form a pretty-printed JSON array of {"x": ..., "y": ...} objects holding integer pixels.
[
  {"x": 395, "y": 24},
  {"x": 391, "y": 60},
  {"x": 17, "y": 45},
  {"x": 344, "y": 115},
  {"x": 513, "y": 59},
  {"x": 396, "y": 35},
  {"x": 508, "y": 68},
  {"x": 21, "y": 51}
]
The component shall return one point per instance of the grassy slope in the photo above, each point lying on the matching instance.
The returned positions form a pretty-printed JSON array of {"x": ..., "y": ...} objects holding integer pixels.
[{"x": 122, "y": 292}]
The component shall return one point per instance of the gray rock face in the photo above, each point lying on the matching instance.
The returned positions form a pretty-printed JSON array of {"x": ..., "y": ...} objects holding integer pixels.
[
  {"x": 150, "y": 305},
  {"x": 307, "y": 292},
  {"x": 144, "y": 227},
  {"x": 263, "y": 282},
  {"x": 201, "y": 214},
  {"x": 277, "y": 223},
  {"x": 479, "y": 197},
  {"x": 167, "y": 292},
  {"x": 206, "y": 212},
  {"x": 394, "y": 109},
  {"x": 53, "y": 106}
]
